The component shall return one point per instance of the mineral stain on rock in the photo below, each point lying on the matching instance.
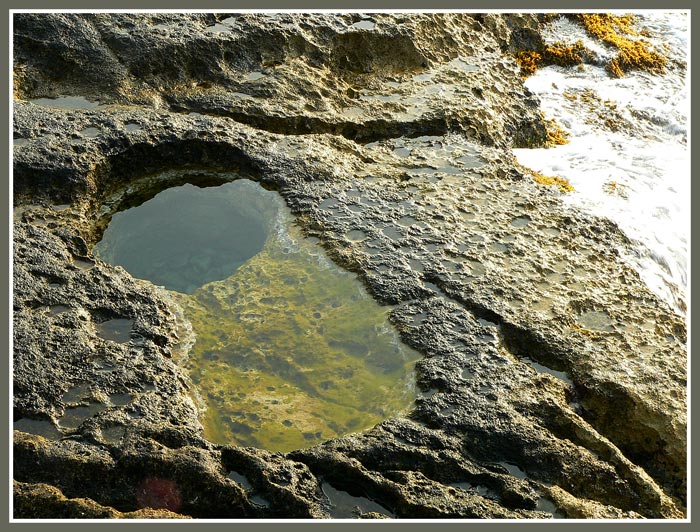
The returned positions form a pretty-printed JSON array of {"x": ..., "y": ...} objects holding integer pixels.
[{"x": 290, "y": 350}]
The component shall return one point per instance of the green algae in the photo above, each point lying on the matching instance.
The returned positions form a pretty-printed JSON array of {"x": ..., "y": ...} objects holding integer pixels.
[{"x": 290, "y": 350}]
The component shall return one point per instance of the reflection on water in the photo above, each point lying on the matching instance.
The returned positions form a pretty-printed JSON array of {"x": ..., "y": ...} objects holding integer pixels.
[
  {"x": 67, "y": 102},
  {"x": 346, "y": 506},
  {"x": 185, "y": 236}
]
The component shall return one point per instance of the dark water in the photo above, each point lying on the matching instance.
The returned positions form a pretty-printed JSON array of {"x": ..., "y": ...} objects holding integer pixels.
[
  {"x": 186, "y": 236},
  {"x": 118, "y": 330}
]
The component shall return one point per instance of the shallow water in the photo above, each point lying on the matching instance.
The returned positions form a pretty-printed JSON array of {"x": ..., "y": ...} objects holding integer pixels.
[
  {"x": 347, "y": 506},
  {"x": 67, "y": 102},
  {"x": 118, "y": 330},
  {"x": 290, "y": 350},
  {"x": 364, "y": 25},
  {"x": 185, "y": 236}
]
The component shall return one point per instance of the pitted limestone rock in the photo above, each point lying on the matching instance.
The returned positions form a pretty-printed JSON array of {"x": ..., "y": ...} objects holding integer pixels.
[{"x": 552, "y": 380}]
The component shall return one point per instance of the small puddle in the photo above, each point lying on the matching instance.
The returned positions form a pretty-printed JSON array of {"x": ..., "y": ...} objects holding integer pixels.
[
  {"x": 240, "y": 479},
  {"x": 290, "y": 349},
  {"x": 41, "y": 427},
  {"x": 596, "y": 320},
  {"x": 67, "y": 102},
  {"x": 364, "y": 25},
  {"x": 254, "y": 76},
  {"x": 55, "y": 310},
  {"x": 514, "y": 470},
  {"x": 20, "y": 142},
  {"x": 356, "y": 235},
  {"x": 83, "y": 264},
  {"x": 76, "y": 394},
  {"x": 407, "y": 221},
  {"x": 521, "y": 221},
  {"x": 562, "y": 375},
  {"x": 346, "y": 506},
  {"x": 113, "y": 434},
  {"x": 73, "y": 417},
  {"x": 545, "y": 505},
  {"x": 219, "y": 28},
  {"x": 132, "y": 127},
  {"x": 90, "y": 132},
  {"x": 118, "y": 330},
  {"x": 393, "y": 233},
  {"x": 259, "y": 501},
  {"x": 120, "y": 399}
]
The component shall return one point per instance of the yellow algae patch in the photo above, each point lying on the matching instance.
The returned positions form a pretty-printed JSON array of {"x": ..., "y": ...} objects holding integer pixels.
[
  {"x": 556, "y": 136},
  {"x": 528, "y": 60},
  {"x": 555, "y": 54},
  {"x": 634, "y": 52},
  {"x": 617, "y": 30},
  {"x": 561, "y": 183}
]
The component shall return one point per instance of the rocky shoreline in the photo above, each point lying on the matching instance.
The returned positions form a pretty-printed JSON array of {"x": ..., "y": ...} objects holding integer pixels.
[{"x": 552, "y": 383}]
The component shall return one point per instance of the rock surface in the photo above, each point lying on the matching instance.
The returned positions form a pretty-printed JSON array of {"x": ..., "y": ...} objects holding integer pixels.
[{"x": 552, "y": 383}]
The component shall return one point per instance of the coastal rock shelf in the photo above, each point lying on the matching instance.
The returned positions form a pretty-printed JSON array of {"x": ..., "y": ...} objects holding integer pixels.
[{"x": 549, "y": 380}]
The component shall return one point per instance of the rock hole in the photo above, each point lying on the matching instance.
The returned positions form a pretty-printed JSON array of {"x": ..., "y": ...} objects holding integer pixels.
[
  {"x": 343, "y": 505},
  {"x": 41, "y": 427},
  {"x": 118, "y": 330},
  {"x": 290, "y": 350},
  {"x": 67, "y": 102},
  {"x": 240, "y": 479},
  {"x": 75, "y": 416},
  {"x": 521, "y": 221},
  {"x": 596, "y": 320},
  {"x": 90, "y": 132},
  {"x": 364, "y": 25}
]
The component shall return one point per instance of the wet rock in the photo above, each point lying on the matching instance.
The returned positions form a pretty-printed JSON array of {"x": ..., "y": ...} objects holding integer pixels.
[{"x": 375, "y": 130}]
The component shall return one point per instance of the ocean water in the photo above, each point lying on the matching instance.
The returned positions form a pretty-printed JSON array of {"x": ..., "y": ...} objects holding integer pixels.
[{"x": 628, "y": 155}]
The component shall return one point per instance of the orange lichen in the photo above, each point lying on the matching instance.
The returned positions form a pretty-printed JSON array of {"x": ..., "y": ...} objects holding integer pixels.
[
  {"x": 554, "y": 54},
  {"x": 528, "y": 60},
  {"x": 562, "y": 184},
  {"x": 556, "y": 136},
  {"x": 615, "y": 30}
]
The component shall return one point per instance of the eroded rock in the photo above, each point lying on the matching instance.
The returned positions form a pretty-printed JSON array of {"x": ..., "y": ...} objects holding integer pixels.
[{"x": 552, "y": 381}]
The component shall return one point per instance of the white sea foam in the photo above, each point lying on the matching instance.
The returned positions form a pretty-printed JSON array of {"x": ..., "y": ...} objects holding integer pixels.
[{"x": 634, "y": 170}]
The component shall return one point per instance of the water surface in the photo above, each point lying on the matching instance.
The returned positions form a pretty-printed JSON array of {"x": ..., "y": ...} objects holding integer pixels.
[{"x": 290, "y": 350}]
